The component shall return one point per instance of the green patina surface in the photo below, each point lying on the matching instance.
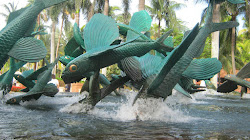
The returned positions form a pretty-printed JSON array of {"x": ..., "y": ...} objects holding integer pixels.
[
  {"x": 16, "y": 37},
  {"x": 233, "y": 80},
  {"x": 6, "y": 78},
  {"x": 97, "y": 43},
  {"x": 39, "y": 88}
]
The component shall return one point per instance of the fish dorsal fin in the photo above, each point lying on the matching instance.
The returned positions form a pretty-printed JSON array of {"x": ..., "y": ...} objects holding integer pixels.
[
  {"x": 66, "y": 59},
  {"x": 203, "y": 69},
  {"x": 35, "y": 74},
  {"x": 27, "y": 73},
  {"x": 25, "y": 90},
  {"x": 141, "y": 22},
  {"x": 236, "y": 1},
  {"x": 182, "y": 91},
  {"x": 244, "y": 72},
  {"x": 78, "y": 37},
  {"x": 49, "y": 3},
  {"x": 3, "y": 75},
  {"x": 28, "y": 49},
  {"x": 148, "y": 64},
  {"x": 169, "y": 41},
  {"x": 71, "y": 46},
  {"x": 132, "y": 68},
  {"x": 15, "y": 14},
  {"x": 100, "y": 31}
]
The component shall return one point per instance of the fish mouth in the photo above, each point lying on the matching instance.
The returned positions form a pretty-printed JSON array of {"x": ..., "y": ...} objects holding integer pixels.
[{"x": 71, "y": 79}]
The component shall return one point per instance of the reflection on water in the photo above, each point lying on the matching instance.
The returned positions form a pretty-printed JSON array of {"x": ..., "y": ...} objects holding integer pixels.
[{"x": 209, "y": 115}]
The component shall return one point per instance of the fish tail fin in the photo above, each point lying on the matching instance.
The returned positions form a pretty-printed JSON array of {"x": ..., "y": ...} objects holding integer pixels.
[
  {"x": 52, "y": 65},
  {"x": 15, "y": 66},
  {"x": 49, "y": 3},
  {"x": 161, "y": 42}
]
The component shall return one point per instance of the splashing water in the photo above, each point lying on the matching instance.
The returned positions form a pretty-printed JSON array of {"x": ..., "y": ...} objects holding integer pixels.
[
  {"x": 1, "y": 94},
  {"x": 144, "y": 109},
  {"x": 77, "y": 107}
]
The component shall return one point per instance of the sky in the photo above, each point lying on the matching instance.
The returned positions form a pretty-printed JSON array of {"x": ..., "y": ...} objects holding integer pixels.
[{"x": 190, "y": 14}]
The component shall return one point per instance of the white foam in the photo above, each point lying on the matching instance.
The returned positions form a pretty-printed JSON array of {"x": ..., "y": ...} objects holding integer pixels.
[
  {"x": 1, "y": 94},
  {"x": 246, "y": 96},
  {"x": 75, "y": 107},
  {"x": 144, "y": 109}
]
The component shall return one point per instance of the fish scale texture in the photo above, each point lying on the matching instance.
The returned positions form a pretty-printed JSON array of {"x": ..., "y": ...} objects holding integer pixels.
[
  {"x": 186, "y": 82},
  {"x": 170, "y": 80},
  {"x": 13, "y": 32}
]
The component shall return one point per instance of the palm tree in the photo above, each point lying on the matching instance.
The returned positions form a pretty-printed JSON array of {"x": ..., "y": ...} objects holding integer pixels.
[
  {"x": 215, "y": 36},
  {"x": 141, "y": 5},
  {"x": 247, "y": 17},
  {"x": 78, "y": 5},
  {"x": 233, "y": 10},
  {"x": 53, "y": 13},
  {"x": 106, "y": 8},
  {"x": 64, "y": 23},
  {"x": 105, "y": 12},
  {"x": 126, "y": 15},
  {"x": 10, "y": 7},
  {"x": 112, "y": 10},
  {"x": 163, "y": 10}
]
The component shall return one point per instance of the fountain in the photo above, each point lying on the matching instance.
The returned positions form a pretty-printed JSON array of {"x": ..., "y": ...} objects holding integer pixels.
[{"x": 156, "y": 109}]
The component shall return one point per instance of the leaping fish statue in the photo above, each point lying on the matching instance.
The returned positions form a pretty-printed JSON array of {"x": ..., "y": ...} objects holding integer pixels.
[
  {"x": 177, "y": 65},
  {"x": 15, "y": 37},
  {"x": 39, "y": 88},
  {"x": 100, "y": 32}
]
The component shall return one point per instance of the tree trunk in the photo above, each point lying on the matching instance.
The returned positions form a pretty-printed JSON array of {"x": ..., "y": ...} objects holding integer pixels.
[
  {"x": 106, "y": 8},
  {"x": 159, "y": 29},
  {"x": 92, "y": 8},
  {"x": 78, "y": 4},
  {"x": 78, "y": 17},
  {"x": 141, "y": 5},
  {"x": 233, "y": 43},
  {"x": 105, "y": 12},
  {"x": 59, "y": 38},
  {"x": 52, "y": 44},
  {"x": 38, "y": 37},
  {"x": 215, "y": 40},
  {"x": 248, "y": 15}
]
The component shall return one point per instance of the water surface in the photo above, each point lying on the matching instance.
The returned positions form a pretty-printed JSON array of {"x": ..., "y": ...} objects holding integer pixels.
[{"x": 209, "y": 116}]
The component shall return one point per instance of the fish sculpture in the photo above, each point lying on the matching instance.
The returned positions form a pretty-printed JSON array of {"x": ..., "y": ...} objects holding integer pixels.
[
  {"x": 178, "y": 63},
  {"x": 24, "y": 78},
  {"x": 15, "y": 37},
  {"x": 233, "y": 80},
  {"x": 103, "y": 79},
  {"x": 38, "y": 90},
  {"x": 140, "y": 69},
  {"x": 74, "y": 48},
  {"x": 100, "y": 32},
  {"x": 6, "y": 78}
]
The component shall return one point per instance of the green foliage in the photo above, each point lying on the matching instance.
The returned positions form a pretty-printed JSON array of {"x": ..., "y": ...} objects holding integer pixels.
[
  {"x": 113, "y": 69},
  {"x": 207, "y": 49},
  {"x": 243, "y": 49},
  {"x": 177, "y": 39},
  {"x": 10, "y": 7}
]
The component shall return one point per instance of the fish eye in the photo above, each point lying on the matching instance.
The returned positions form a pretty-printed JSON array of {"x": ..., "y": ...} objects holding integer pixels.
[
  {"x": 13, "y": 100},
  {"x": 73, "y": 68}
]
